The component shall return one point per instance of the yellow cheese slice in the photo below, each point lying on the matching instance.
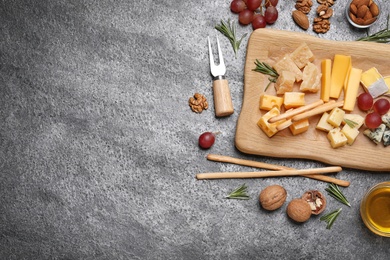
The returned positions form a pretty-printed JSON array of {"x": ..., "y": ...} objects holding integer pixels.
[
  {"x": 326, "y": 69},
  {"x": 374, "y": 83},
  {"x": 293, "y": 99},
  {"x": 352, "y": 89},
  {"x": 341, "y": 65}
]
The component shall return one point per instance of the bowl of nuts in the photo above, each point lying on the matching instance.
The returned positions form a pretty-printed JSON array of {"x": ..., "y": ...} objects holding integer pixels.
[{"x": 362, "y": 13}]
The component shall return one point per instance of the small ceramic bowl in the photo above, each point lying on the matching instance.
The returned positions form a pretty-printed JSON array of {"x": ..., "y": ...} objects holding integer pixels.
[{"x": 352, "y": 18}]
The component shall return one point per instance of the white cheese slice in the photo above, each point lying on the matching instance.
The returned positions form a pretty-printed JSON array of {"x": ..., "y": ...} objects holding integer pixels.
[{"x": 378, "y": 88}]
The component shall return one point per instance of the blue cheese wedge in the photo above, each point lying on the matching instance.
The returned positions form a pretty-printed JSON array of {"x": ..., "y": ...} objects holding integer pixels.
[
  {"x": 376, "y": 134},
  {"x": 386, "y": 119},
  {"x": 386, "y": 138}
]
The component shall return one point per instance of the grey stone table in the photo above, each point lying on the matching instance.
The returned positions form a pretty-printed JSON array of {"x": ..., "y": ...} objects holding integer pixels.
[{"x": 98, "y": 147}]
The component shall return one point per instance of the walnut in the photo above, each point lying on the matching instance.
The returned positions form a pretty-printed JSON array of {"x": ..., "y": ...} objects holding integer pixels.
[
  {"x": 304, "y": 5},
  {"x": 299, "y": 210},
  {"x": 272, "y": 197},
  {"x": 321, "y": 25},
  {"x": 316, "y": 201},
  {"x": 326, "y": 2},
  {"x": 198, "y": 103},
  {"x": 324, "y": 11}
]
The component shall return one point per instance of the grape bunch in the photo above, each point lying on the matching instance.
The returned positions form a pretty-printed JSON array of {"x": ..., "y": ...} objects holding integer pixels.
[
  {"x": 380, "y": 107},
  {"x": 251, "y": 12}
]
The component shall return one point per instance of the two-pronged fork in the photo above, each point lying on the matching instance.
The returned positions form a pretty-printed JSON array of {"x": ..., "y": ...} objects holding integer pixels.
[{"x": 222, "y": 99}]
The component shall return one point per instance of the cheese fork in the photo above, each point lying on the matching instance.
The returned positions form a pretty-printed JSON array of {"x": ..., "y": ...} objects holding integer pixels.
[{"x": 223, "y": 104}]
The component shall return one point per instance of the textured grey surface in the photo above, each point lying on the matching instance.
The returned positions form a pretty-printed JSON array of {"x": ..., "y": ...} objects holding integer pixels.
[{"x": 98, "y": 146}]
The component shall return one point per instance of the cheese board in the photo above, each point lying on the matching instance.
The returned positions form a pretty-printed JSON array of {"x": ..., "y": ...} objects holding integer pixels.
[{"x": 269, "y": 45}]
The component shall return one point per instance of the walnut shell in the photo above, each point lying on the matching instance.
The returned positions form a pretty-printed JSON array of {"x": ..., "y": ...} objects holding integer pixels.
[
  {"x": 272, "y": 197},
  {"x": 299, "y": 210},
  {"x": 316, "y": 201}
]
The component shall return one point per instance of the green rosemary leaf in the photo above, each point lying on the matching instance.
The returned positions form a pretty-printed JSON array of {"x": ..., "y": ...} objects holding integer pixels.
[
  {"x": 350, "y": 123},
  {"x": 334, "y": 191},
  {"x": 228, "y": 29},
  {"x": 266, "y": 69},
  {"x": 330, "y": 218},
  {"x": 239, "y": 193}
]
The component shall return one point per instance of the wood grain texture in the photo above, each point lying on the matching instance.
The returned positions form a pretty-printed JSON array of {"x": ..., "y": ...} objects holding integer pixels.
[{"x": 270, "y": 45}]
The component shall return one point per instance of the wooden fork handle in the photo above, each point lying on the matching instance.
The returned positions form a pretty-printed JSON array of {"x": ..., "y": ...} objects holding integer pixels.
[{"x": 223, "y": 104}]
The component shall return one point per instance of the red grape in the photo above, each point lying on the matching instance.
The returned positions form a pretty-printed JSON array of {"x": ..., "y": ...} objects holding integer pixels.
[
  {"x": 258, "y": 21},
  {"x": 206, "y": 140},
  {"x": 365, "y": 101},
  {"x": 373, "y": 120},
  {"x": 245, "y": 17},
  {"x": 253, "y": 4},
  {"x": 271, "y": 14},
  {"x": 271, "y": 2},
  {"x": 382, "y": 106},
  {"x": 237, "y": 6}
]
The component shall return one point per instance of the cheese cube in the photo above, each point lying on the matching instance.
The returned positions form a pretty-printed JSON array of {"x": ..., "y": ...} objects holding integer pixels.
[
  {"x": 302, "y": 55},
  {"x": 323, "y": 124},
  {"x": 299, "y": 127},
  {"x": 376, "y": 134},
  {"x": 326, "y": 69},
  {"x": 337, "y": 138},
  {"x": 269, "y": 129},
  {"x": 336, "y": 116},
  {"x": 340, "y": 68},
  {"x": 352, "y": 89},
  {"x": 374, "y": 83},
  {"x": 285, "y": 82},
  {"x": 293, "y": 99},
  {"x": 356, "y": 119},
  {"x": 311, "y": 79},
  {"x": 267, "y": 102},
  {"x": 351, "y": 133},
  {"x": 287, "y": 64}
]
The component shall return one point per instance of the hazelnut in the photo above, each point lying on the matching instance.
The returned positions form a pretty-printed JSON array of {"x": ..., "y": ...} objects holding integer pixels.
[
  {"x": 299, "y": 210},
  {"x": 272, "y": 197},
  {"x": 316, "y": 201}
]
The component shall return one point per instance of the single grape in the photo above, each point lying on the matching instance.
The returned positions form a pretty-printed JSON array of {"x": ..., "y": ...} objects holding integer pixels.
[
  {"x": 206, "y": 140},
  {"x": 382, "y": 106},
  {"x": 365, "y": 101},
  {"x": 373, "y": 120},
  {"x": 271, "y": 14},
  {"x": 258, "y": 21},
  {"x": 245, "y": 17},
  {"x": 253, "y": 4},
  {"x": 237, "y": 6},
  {"x": 271, "y": 2}
]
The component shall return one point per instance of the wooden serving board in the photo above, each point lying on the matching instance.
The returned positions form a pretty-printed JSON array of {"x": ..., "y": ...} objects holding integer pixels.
[{"x": 269, "y": 45}]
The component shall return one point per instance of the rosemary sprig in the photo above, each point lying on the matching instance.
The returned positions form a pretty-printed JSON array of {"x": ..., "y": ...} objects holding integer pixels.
[
  {"x": 382, "y": 36},
  {"x": 239, "y": 193},
  {"x": 334, "y": 191},
  {"x": 350, "y": 123},
  {"x": 331, "y": 217},
  {"x": 266, "y": 69},
  {"x": 229, "y": 30}
]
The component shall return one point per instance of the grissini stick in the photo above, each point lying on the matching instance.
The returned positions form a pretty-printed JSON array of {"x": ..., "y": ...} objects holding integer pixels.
[
  {"x": 229, "y": 159},
  {"x": 293, "y": 112},
  {"x": 318, "y": 110},
  {"x": 262, "y": 174}
]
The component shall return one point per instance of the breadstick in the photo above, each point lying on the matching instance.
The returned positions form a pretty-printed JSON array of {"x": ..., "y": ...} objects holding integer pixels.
[
  {"x": 318, "y": 110},
  {"x": 293, "y": 112}
]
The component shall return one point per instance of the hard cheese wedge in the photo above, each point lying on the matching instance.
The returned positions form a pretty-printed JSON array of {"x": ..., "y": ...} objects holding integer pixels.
[{"x": 340, "y": 68}]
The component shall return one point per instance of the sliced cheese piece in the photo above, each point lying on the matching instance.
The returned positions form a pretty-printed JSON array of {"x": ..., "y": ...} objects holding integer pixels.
[
  {"x": 340, "y": 67},
  {"x": 386, "y": 138},
  {"x": 285, "y": 82},
  {"x": 323, "y": 124},
  {"x": 302, "y": 55},
  {"x": 351, "y": 133},
  {"x": 293, "y": 99},
  {"x": 337, "y": 138},
  {"x": 267, "y": 102},
  {"x": 286, "y": 63},
  {"x": 326, "y": 69},
  {"x": 311, "y": 79},
  {"x": 376, "y": 134},
  {"x": 336, "y": 116},
  {"x": 356, "y": 119},
  {"x": 299, "y": 127},
  {"x": 347, "y": 77},
  {"x": 374, "y": 83},
  {"x": 269, "y": 129},
  {"x": 352, "y": 88}
]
